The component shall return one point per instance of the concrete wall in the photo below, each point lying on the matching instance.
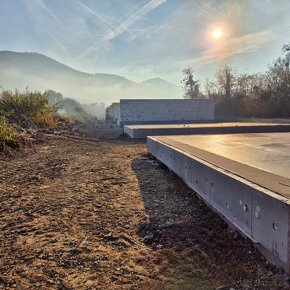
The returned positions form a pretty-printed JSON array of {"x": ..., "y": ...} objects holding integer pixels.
[
  {"x": 258, "y": 213},
  {"x": 165, "y": 111},
  {"x": 113, "y": 112}
]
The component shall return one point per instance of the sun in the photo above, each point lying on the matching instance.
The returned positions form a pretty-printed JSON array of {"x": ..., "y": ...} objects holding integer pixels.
[{"x": 217, "y": 33}]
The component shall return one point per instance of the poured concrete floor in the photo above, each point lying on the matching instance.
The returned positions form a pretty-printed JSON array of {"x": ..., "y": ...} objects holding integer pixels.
[
  {"x": 202, "y": 125},
  {"x": 263, "y": 158},
  {"x": 267, "y": 151},
  {"x": 142, "y": 131}
]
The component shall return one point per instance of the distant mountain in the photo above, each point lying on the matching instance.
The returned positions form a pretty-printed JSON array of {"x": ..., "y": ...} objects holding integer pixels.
[
  {"x": 39, "y": 64},
  {"x": 39, "y": 72},
  {"x": 158, "y": 81}
]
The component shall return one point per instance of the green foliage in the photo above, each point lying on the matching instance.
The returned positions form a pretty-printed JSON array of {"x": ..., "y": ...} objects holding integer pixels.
[
  {"x": 8, "y": 134},
  {"x": 27, "y": 109}
]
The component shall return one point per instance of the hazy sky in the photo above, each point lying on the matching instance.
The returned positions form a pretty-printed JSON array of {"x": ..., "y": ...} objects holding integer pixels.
[{"x": 141, "y": 39}]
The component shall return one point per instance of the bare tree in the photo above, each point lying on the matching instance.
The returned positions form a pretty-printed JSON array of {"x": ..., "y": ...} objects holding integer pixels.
[
  {"x": 225, "y": 81},
  {"x": 253, "y": 95},
  {"x": 191, "y": 86},
  {"x": 286, "y": 50}
]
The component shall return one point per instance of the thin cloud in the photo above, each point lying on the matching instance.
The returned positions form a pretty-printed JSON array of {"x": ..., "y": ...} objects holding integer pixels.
[
  {"x": 146, "y": 33},
  {"x": 153, "y": 4},
  {"x": 206, "y": 9},
  {"x": 48, "y": 11},
  {"x": 38, "y": 6},
  {"x": 92, "y": 12},
  {"x": 124, "y": 26},
  {"x": 229, "y": 48},
  {"x": 39, "y": 11}
]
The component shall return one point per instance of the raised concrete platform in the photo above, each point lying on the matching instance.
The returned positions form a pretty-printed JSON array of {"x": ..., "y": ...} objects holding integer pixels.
[
  {"x": 244, "y": 177},
  {"x": 143, "y": 131}
]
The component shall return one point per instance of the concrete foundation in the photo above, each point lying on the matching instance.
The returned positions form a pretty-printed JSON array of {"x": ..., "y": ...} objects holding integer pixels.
[
  {"x": 244, "y": 178},
  {"x": 142, "y": 131}
]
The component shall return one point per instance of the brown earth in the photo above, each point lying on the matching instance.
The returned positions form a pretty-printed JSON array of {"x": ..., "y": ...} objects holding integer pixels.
[{"x": 79, "y": 213}]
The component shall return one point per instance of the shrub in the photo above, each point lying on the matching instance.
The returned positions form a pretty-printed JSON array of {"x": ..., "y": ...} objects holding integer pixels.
[
  {"x": 8, "y": 135},
  {"x": 66, "y": 118},
  {"x": 27, "y": 109}
]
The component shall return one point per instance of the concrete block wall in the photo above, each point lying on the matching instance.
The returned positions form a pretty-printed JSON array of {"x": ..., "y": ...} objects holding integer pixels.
[
  {"x": 165, "y": 111},
  {"x": 258, "y": 213}
]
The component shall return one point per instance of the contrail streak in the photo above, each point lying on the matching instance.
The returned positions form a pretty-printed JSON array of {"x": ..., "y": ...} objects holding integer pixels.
[
  {"x": 92, "y": 12},
  {"x": 153, "y": 4}
]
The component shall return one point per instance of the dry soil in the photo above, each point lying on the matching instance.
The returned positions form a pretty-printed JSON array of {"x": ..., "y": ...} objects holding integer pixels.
[{"x": 80, "y": 213}]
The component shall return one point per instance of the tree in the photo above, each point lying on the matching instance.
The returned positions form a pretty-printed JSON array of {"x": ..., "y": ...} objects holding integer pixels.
[
  {"x": 277, "y": 83},
  {"x": 286, "y": 47},
  {"x": 286, "y": 50},
  {"x": 225, "y": 81},
  {"x": 191, "y": 86},
  {"x": 265, "y": 95},
  {"x": 54, "y": 98}
]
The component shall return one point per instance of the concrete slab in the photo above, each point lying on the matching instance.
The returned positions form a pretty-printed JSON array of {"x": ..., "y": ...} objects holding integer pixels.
[
  {"x": 143, "y": 131},
  {"x": 243, "y": 177}
]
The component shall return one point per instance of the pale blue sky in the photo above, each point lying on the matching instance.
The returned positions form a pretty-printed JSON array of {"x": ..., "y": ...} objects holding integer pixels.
[{"x": 142, "y": 39}]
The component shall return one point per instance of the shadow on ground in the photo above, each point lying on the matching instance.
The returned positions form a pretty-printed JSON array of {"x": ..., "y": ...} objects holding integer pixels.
[{"x": 194, "y": 248}]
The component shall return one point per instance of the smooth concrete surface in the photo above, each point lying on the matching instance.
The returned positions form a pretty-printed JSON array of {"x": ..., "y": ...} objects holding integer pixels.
[
  {"x": 266, "y": 151},
  {"x": 242, "y": 177},
  {"x": 146, "y": 111},
  {"x": 143, "y": 131}
]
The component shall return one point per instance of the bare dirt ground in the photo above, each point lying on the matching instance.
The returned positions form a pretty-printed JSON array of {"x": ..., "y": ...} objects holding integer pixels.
[{"x": 79, "y": 213}]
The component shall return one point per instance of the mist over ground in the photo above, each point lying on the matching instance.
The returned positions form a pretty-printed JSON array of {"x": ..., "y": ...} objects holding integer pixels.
[{"x": 38, "y": 72}]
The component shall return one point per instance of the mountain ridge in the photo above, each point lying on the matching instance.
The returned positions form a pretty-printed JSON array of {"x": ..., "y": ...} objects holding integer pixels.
[{"x": 38, "y": 71}]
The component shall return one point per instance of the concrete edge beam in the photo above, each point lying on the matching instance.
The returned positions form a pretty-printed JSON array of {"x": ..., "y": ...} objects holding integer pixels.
[
  {"x": 258, "y": 213},
  {"x": 142, "y": 133}
]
